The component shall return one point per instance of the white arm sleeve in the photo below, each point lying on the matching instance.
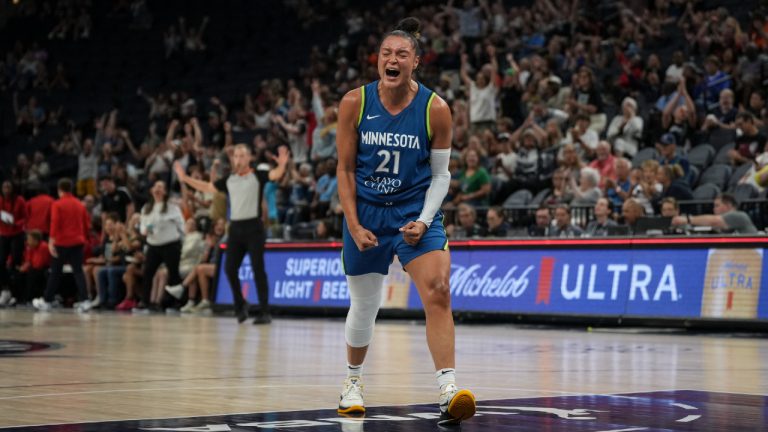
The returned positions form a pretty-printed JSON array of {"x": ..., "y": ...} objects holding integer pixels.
[{"x": 438, "y": 188}]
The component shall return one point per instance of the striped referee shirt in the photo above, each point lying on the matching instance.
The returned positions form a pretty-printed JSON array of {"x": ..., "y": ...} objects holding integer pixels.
[{"x": 245, "y": 192}]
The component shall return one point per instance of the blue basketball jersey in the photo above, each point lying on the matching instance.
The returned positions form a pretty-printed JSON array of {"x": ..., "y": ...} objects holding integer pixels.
[{"x": 393, "y": 151}]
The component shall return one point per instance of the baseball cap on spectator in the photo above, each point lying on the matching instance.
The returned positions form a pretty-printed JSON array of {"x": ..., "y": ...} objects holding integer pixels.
[
  {"x": 504, "y": 136},
  {"x": 555, "y": 80},
  {"x": 668, "y": 139},
  {"x": 106, "y": 177}
]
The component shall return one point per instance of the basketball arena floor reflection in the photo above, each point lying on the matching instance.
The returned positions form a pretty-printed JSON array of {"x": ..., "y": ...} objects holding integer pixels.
[{"x": 62, "y": 371}]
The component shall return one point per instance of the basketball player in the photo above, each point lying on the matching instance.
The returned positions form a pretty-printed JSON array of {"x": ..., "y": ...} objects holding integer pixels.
[
  {"x": 394, "y": 144},
  {"x": 245, "y": 188}
]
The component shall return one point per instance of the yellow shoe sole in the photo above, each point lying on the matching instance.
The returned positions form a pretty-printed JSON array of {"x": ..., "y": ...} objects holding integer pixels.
[
  {"x": 354, "y": 409},
  {"x": 462, "y": 406}
]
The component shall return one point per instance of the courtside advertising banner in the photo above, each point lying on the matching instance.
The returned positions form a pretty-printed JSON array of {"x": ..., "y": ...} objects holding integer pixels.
[
  {"x": 310, "y": 278},
  {"x": 666, "y": 283}
]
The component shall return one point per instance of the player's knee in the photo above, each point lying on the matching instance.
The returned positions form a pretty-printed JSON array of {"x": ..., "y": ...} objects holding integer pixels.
[
  {"x": 365, "y": 299},
  {"x": 438, "y": 292}
]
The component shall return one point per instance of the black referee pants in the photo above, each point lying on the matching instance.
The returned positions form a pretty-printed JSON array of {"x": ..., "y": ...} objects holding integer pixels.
[{"x": 247, "y": 236}]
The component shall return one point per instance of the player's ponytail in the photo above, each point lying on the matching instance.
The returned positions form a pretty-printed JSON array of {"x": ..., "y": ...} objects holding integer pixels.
[{"x": 410, "y": 29}]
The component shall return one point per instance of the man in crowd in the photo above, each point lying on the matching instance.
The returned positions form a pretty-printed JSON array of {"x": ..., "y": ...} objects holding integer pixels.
[
  {"x": 599, "y": 226},
  {"x": 631, "y": 211},
  {"x": 468, "y": 226},
  {"x": 750, "y": 143},
  {"x": 70, "y": 224},
  {"x": 497, "y": 226},
  {"x": 115, "y": 199},
  {"x": 543, "y": 223},
  {"x": 563, "y": 226},
  {"x": 727, "y": 217}
]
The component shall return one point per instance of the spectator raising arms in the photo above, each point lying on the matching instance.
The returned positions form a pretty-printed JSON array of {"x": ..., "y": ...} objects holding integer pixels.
[{"x": 482, "y": 91}]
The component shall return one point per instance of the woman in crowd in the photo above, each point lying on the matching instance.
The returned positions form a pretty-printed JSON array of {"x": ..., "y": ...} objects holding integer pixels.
[
  {"x": 192, "y": 249},
  {"x": 135, "y": 260},
  {"x": 204, "y": 272},
  {"x": 474, "y": 181},
  {"x": 163, "y": 225}
]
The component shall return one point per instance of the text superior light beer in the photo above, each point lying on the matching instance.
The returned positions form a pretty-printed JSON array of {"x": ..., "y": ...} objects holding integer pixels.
[{"x": 732, "y": 283}]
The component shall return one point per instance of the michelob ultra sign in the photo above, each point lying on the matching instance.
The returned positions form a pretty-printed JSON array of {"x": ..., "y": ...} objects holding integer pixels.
[
  {"x": 668, "y": 283},
  {"x": 732, "y": 283}
]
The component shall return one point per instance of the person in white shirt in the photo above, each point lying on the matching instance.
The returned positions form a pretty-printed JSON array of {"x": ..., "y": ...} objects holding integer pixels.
[
  {"x": 482, "y": 92},
  {"x": 506, "y": 160},
  {"x": 192, "y": 249},
  {"x": 582, "y": 137},
  {"x": 626, "y": 129},
  {"x": 163, "y": 226},
  {"x": 675, "y": 70}
]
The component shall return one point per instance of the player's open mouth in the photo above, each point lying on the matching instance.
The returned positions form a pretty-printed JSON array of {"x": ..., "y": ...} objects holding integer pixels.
[{"x": 393, "y": 73}]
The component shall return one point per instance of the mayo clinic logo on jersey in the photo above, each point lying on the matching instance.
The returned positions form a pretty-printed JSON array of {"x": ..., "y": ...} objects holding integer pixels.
[
  {"x": 385, "y": 185},
  {"x": 389, "y": 139},
  {"x": 312, "y": 279}
]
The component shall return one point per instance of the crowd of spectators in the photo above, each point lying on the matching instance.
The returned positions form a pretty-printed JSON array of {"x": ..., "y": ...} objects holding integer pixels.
[{"x": 557, "y": 106}]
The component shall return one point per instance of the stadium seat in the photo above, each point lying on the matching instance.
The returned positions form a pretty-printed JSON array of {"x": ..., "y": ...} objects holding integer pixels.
[
  {"x": 540, "y": 197},
  {"x": 644, "y": 155},
  {"x": 717, "y": 174},
  {"x": 719, "y": 138},
  {"x": 693, "y": 175},
  {"x": 722, "y": 154},
  {"x": 518, "y": 198},
  {"x": 737, "y": 174},
  {"x": 706, "y": 191},
  {"x": 701, "y": 156},
  {"x": 744, "y": 191}
]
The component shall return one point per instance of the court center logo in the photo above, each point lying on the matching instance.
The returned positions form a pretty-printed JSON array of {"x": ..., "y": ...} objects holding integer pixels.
[
  {"x": 17, "y": 347},
  {"x": 672, "y": 410}
]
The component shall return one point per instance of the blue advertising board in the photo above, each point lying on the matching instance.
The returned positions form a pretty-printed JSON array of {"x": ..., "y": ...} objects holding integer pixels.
[{"x": 668, "y": 283}]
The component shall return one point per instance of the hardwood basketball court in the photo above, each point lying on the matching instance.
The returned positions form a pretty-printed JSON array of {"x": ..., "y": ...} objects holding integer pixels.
[{"x": 194, "y": 373}]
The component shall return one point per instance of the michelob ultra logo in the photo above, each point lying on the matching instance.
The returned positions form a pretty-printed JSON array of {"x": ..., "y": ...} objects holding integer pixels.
[{"x": 732, "y": 283}]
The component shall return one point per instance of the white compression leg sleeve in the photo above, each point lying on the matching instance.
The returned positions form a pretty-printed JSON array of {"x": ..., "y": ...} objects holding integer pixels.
[{"x": 365, "y": 298}]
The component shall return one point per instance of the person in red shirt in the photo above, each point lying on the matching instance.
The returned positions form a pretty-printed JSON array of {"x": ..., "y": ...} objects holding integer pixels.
[
  {"x": 604, "y": 163},
  {"x": 13, "y": 217},
  {"x": 70, "y": 223},
  {"x": 39, "y": 212},
  {"x": 37, "y": 260}
]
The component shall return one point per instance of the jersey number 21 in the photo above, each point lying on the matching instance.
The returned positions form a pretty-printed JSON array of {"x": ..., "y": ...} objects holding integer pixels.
[{"x": 384, "y": 165}]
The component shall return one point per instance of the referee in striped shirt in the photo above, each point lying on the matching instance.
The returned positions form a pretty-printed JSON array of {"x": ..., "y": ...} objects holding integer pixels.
[{"x": 245, "y": 190}]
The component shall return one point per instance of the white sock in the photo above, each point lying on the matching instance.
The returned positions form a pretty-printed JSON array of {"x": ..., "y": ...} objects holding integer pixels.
[
  {"x": 354, "y": 371},
  {"x": 445, "y": 376}
]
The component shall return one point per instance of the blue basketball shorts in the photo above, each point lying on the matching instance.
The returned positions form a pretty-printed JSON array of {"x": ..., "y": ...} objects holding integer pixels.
[{"x": 385, "y": 222}]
